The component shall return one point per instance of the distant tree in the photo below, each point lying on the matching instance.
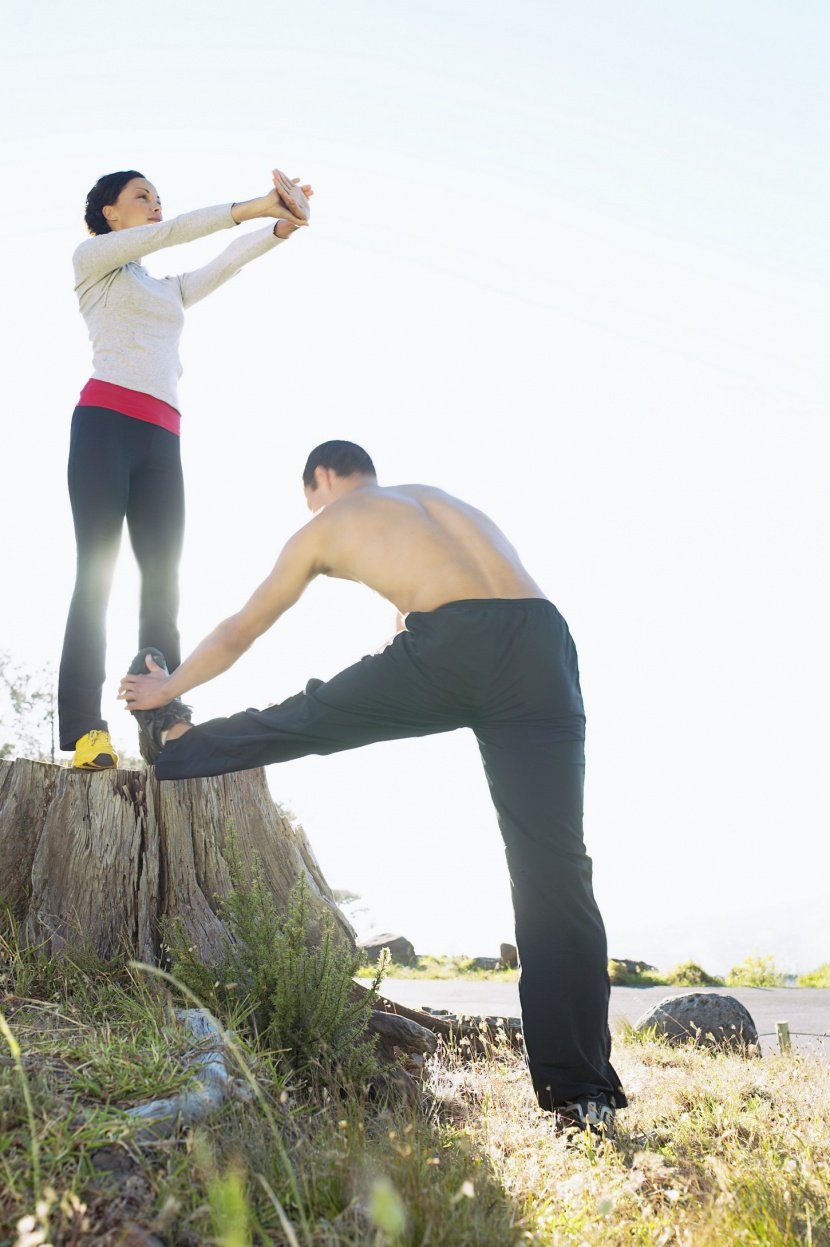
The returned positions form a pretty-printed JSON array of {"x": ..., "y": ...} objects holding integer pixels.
[
  {"x": 28, "y": 704},
  {"x": 348, "y": 903}
]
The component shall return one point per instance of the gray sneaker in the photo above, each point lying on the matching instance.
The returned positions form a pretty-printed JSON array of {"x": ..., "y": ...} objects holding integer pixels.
[
  {"x": 151, "y": 723},
  {"x": 581, "y": 1115}
]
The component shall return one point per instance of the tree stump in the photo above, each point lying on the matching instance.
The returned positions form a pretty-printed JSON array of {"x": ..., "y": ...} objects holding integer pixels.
[{"x": 94, "y": 860}]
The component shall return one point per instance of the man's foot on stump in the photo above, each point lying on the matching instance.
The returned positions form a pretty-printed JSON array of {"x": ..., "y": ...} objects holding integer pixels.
[
  {"x": 153, "y": 723},
  {"x": 95, "y": 752},
  {"x": 577, "y": 1116}
]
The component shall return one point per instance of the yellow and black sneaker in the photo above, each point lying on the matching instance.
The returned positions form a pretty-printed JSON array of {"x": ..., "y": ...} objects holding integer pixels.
[{"x": 95, "y": 752}]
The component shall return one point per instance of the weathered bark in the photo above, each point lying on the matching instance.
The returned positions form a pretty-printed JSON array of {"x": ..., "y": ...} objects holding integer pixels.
[{"x": 94, "y": 860}]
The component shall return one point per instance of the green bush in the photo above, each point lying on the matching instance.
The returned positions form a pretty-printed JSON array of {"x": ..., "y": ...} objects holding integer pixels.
[
  {"x": 622, "y": 975},
  {"x": 690, "y": 974},
  {"x": 816, "y": 978},
  {"x": 755, "y": 972},
  {"x": 294, "y": 994}
]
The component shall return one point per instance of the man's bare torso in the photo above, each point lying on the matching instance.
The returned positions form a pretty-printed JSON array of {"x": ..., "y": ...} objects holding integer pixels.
[{"x": 418, "y": 547}]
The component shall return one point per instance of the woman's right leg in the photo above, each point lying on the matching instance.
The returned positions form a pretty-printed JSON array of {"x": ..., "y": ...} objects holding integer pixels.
[
  {"x": 155, "y": 522},
  {"x": 98, "y": 487}
]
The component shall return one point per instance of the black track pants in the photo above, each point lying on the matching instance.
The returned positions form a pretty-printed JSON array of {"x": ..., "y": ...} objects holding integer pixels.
[
  {"x": 508, "y": 670},
  {"x": 119, "y": 468}
]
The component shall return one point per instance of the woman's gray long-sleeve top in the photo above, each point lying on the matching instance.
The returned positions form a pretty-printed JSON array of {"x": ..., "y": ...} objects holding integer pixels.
[{"x": 135, "y": 321}]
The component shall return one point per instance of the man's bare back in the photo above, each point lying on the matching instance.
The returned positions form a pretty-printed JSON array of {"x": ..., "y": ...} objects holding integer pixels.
[{"x": 416, "y": 546}]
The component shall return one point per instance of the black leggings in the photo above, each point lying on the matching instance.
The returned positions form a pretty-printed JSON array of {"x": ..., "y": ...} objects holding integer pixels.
[
  {"x": 508, "y": 670},
  {"x": 119, "y": 467}
]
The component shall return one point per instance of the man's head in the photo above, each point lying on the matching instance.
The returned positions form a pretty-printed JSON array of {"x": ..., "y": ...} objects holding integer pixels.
[{"x": 331, "y": 464}]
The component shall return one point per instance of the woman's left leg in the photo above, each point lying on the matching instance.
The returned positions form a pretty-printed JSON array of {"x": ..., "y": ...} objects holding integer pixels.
[
  {"x": 155, "y": 521},
  {"x": 98, "y": 477}
]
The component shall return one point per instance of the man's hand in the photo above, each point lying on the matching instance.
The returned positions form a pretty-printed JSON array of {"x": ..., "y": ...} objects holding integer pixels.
[
  {"x": 400, "y": 626},
  {"x": 145, "y": 692}
]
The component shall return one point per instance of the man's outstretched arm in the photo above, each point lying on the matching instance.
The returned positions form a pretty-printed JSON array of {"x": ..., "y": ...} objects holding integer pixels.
[{"x": 293, "y": 571}]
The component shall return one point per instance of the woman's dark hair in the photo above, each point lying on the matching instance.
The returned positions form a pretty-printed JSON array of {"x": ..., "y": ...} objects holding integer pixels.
[
  {"x": 105, "y": 192},
  {"x": 344, "y": 458}
]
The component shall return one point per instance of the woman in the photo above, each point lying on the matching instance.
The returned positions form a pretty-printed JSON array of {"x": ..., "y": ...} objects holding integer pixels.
[{"x": 124, "y": 459}]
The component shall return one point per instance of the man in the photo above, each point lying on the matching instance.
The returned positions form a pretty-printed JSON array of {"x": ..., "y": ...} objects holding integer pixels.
[{"x": 482, "y": 648}]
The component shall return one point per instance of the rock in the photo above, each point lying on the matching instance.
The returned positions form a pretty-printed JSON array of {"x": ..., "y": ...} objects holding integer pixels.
[
  {"x": 399, "y": 946},
  {"x": 623, "y": 972},
  {"x": 704, "y": 1018},
  {"x": 485, "y": 963},
  {"x": 509, "y": 956}
]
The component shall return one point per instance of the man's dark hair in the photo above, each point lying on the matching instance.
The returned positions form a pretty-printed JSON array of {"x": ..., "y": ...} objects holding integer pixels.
[
  {"x": 344, "y": 458},
  {"x": 103, "y": 194}
]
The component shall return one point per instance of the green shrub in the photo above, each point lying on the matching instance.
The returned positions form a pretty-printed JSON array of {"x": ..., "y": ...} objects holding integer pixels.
[
  {"x": 755, "y": 972},
  {"x": 621, "y": 975},
  {"x": 293, "y": 993},
  {"x": 690, "y": 974},
  {"x": 816, "y": 978}
]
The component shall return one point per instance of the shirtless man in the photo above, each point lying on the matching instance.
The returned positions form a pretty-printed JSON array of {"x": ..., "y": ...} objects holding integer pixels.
[{"x": 482, "y": 648}]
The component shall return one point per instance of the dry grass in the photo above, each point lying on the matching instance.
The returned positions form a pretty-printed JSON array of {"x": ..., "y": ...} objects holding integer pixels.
[{"x": 714, "y": 1150}]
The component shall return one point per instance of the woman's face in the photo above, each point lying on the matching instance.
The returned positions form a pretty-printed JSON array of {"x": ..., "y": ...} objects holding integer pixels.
[{"x": 138, "y": 204}]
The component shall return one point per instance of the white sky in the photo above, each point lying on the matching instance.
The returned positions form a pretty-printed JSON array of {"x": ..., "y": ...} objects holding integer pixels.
[{"x": 568, "y": 261}]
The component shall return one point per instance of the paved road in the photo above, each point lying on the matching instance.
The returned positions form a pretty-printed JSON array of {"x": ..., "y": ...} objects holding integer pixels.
[{"x": 807, "y": 1009}]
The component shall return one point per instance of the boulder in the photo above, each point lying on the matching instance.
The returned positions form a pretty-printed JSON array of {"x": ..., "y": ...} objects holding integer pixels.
[
  {"x": 485, "y": 963},
  {"x": 509, "y": 956},
  {"x": 706, "y": 1018},
  {"x": 399, "y": 946}
]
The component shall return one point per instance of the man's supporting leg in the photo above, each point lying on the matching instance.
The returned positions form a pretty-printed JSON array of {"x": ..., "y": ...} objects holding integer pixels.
[{"x": 536, "y": 784}]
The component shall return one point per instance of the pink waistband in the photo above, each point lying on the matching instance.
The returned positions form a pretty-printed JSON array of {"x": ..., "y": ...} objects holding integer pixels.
[{"x": 130, "y": 403}]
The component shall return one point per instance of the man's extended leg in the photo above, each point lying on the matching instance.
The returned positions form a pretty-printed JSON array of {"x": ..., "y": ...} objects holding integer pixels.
[
  {"x": 536, "y": 785},
  {"x": 403, "y": 691}
]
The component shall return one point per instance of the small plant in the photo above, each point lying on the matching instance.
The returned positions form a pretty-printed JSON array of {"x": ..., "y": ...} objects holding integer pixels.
[
  {"x": 293, "y": 990},
  {"x": 633, "y": 974},
  {"x": 816, "y": 978},
  {"x": 755, "y": 972},
  {"x": 690, "y": 974}
]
